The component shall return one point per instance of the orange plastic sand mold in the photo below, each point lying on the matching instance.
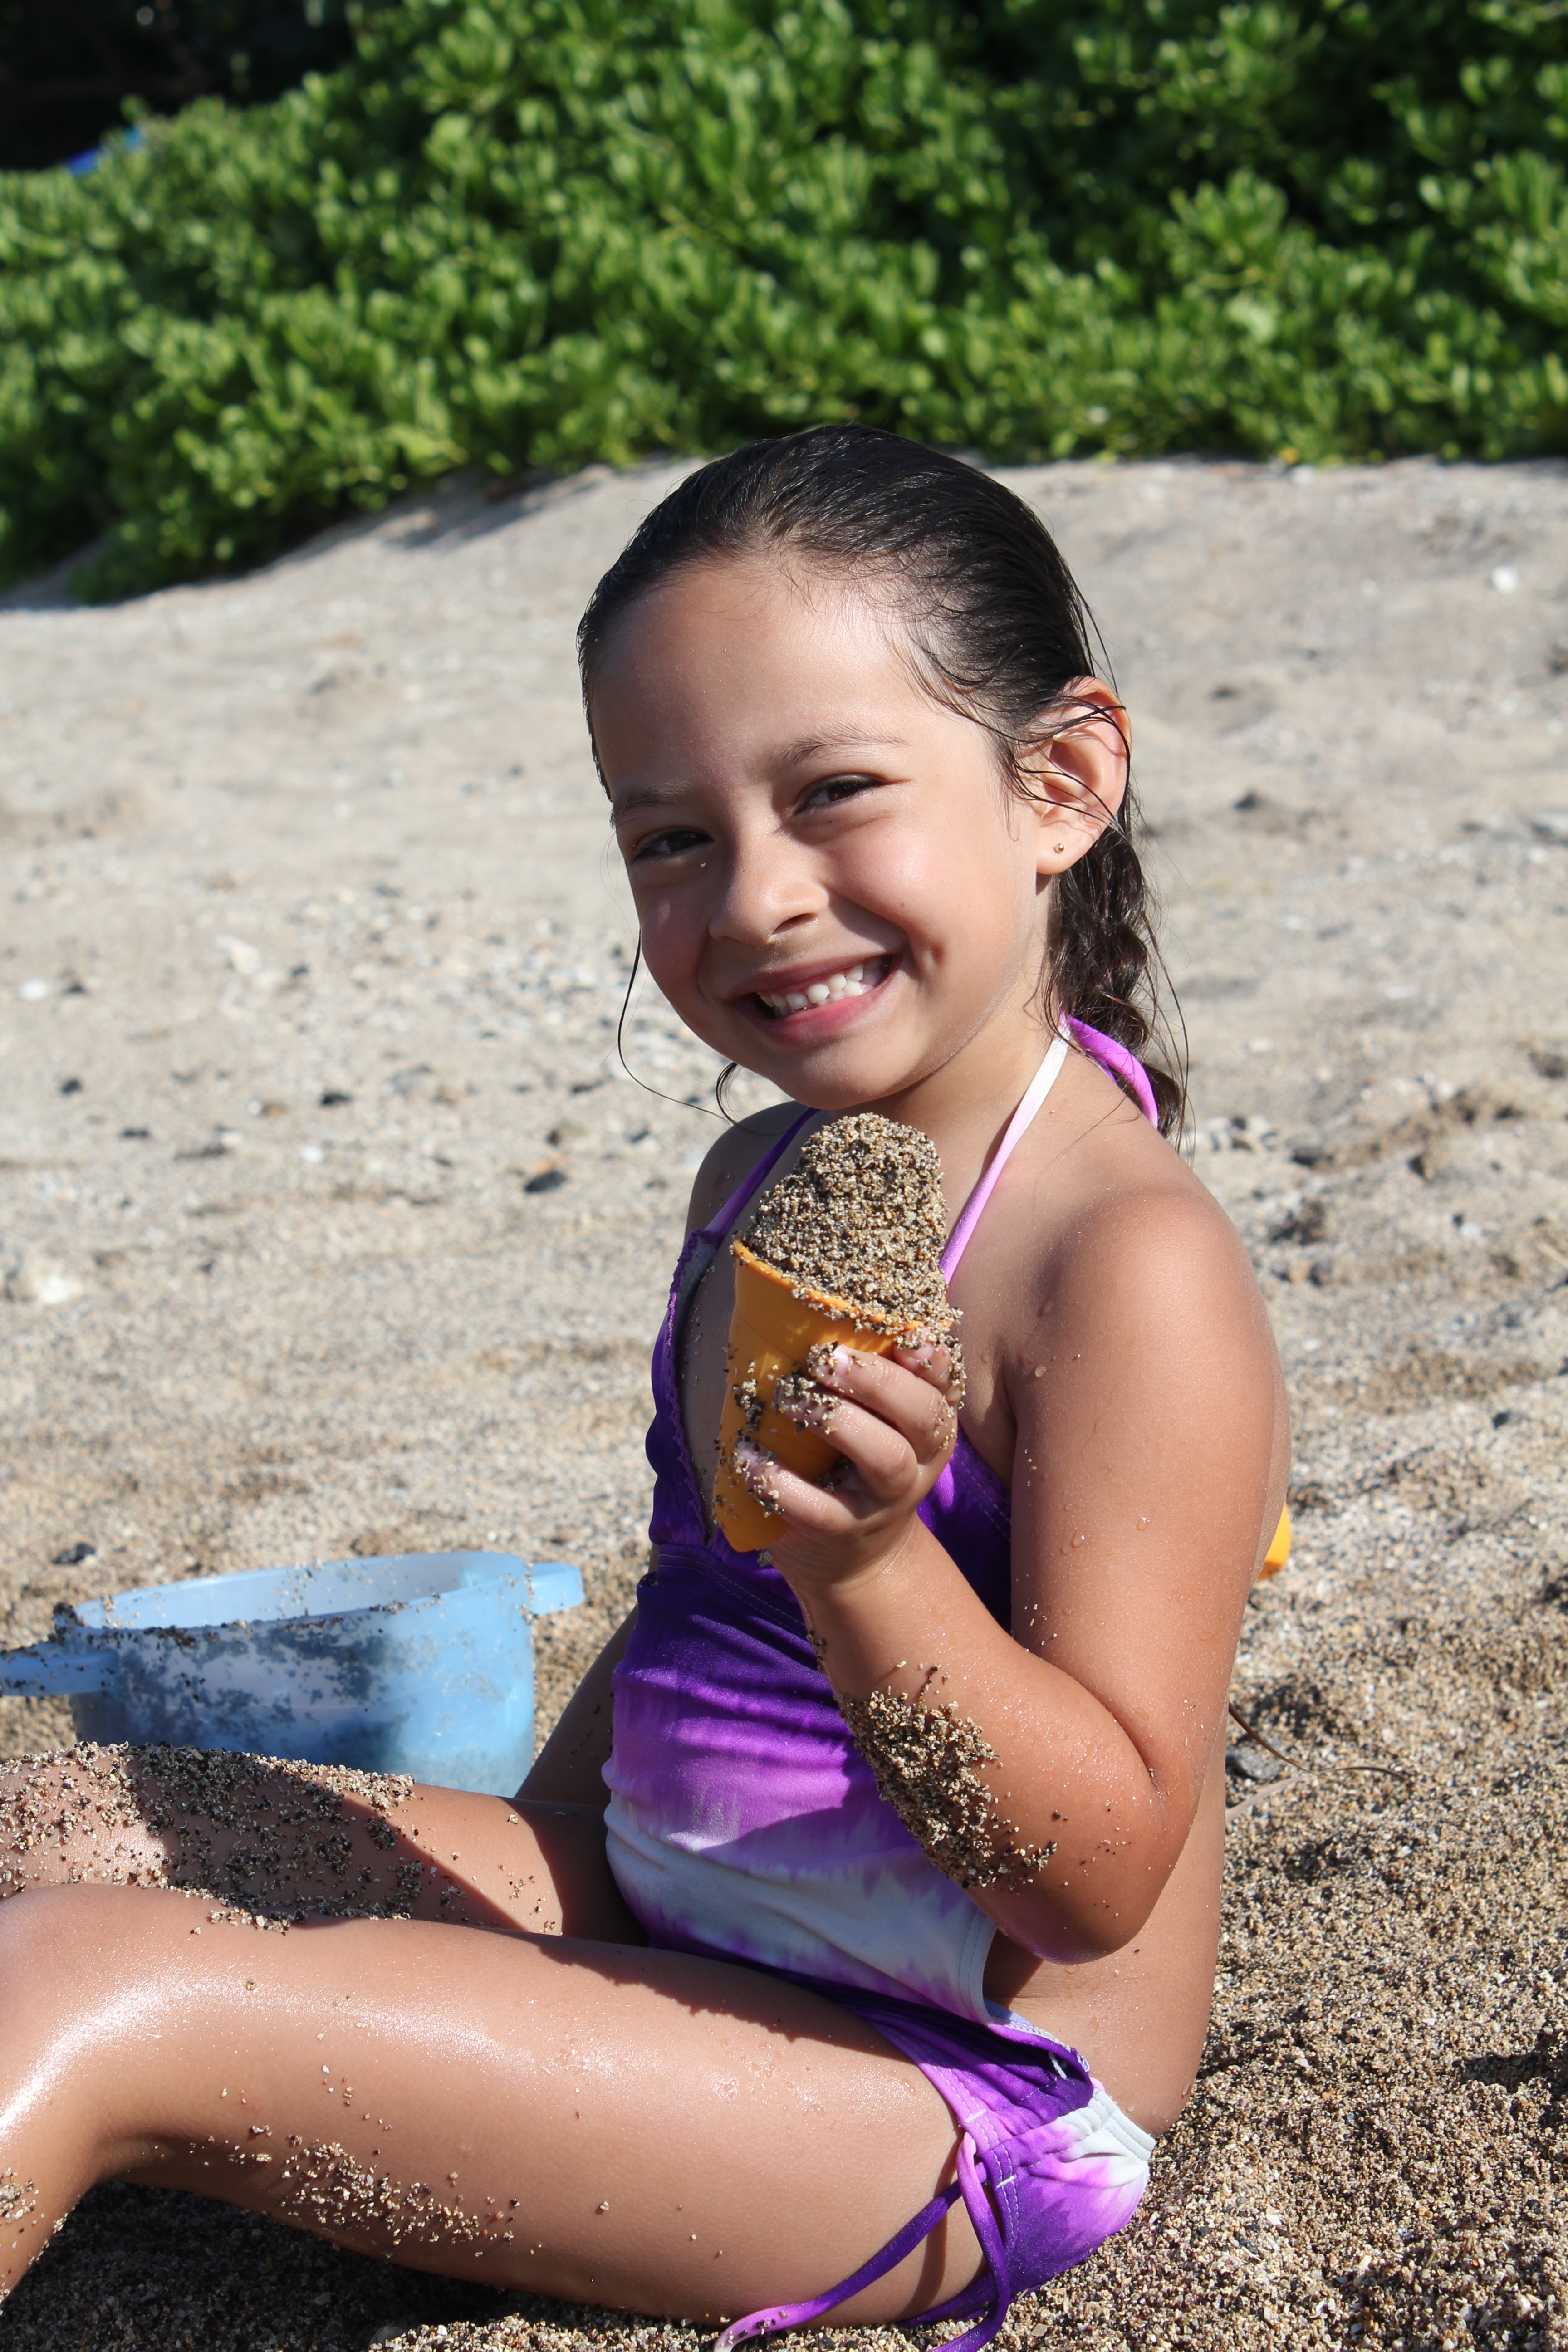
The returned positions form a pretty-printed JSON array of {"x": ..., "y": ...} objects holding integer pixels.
[{"x": 772, "y": 1332}]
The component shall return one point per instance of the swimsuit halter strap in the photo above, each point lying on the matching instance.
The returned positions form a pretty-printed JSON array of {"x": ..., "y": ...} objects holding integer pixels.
[
  {"x": 717, "y": 1227},
  {"x": 1116, "y": 1059},
  {"x": 1113, "y": 1056},
  {"x": 1044, "y": 1079}
]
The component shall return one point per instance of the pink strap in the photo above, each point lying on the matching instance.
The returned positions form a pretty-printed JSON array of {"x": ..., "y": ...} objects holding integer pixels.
[
  {"x": 1113, "y": 1055},
  {"x": 719, "y": 1225},
  {"x": 1045, "y": 1078}
]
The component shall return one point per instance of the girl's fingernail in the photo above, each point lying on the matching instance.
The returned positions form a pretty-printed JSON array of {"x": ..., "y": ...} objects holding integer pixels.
[
  {"x": 755, "y": 1466},
  {"x": 803, "y": 1401},
  {"x": 827, "y": 1361}
]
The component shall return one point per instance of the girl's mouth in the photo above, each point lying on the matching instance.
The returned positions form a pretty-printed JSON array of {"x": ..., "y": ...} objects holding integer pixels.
[{"x": 830, "y": 988}]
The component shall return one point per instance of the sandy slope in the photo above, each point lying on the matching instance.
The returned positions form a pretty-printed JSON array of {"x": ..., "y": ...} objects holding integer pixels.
[{"x": 332, "y": 832}]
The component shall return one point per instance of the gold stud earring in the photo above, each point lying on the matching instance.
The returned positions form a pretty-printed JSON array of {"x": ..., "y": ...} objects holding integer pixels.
[{"x": 1058, "y": 846}]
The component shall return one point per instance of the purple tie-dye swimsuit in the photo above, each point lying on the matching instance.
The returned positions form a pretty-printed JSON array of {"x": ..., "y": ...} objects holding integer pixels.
[{"x": 744, "y": 1824}]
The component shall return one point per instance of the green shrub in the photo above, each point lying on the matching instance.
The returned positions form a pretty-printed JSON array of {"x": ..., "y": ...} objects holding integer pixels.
[{"x": 525, "y": 232}]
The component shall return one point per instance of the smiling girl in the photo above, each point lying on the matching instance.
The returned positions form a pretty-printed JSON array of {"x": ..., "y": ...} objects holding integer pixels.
[{"x": 733, "y": 2042}]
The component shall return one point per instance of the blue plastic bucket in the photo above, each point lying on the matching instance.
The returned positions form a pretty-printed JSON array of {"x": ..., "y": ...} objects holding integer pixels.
[{"x": 420, "y": 1664}]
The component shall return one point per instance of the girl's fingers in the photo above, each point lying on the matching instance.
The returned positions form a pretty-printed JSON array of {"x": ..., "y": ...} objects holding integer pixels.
[
  {"x": 940, "y": 1362},
  {"x": 804, "y": 1508},
  {"x": 889, "y": 1460},
  {"x": 916, "y": 1399},
  {"x": 894, "y": 1424}
]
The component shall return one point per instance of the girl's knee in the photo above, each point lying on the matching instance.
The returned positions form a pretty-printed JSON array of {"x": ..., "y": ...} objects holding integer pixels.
[
  {"x": 86, "y": 1973},
  {"x": 82, "y": 1813},
  {"x": 43, "y": 1802}
]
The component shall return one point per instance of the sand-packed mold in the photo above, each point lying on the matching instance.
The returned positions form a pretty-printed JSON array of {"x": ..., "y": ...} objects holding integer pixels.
[
  {"x": 860, "y": 1218},
  {"x": 309, "y": 959},
  {"x": 844, "y": 1250}
]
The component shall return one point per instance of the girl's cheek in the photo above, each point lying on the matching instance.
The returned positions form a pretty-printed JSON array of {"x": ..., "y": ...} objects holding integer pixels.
[
  {"x": 672, "y": 958},
  {"x": 908, "y": 881},
  {"x": 669, "y": 942}
]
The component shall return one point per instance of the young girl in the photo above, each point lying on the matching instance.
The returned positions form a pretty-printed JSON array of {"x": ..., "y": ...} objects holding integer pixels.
[{"x": 723, "y": 2038}]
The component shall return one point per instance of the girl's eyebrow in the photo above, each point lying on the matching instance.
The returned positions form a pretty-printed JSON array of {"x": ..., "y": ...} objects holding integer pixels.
[
  {"x": 641, "y": 796},
  {"x": 789, "y": 755},
  {"x": 840, "y": 738}
]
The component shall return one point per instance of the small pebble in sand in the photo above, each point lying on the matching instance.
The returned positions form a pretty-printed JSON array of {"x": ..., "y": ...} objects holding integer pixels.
[{"x": 37, "y": 1281}]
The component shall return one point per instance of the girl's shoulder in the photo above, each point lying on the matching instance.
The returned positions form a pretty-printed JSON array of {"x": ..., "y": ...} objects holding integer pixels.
[
  {"x": 736, "y": 1154},
  {"x": 1113, "y": 1210},
  {"x": 1120, "y": 1351},
  {"x": 1105, "y": 1245}
]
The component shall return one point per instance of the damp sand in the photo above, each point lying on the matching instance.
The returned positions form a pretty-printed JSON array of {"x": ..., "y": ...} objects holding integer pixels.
[
  {"x": 266, "y": 1842},
  {"x": 860, "y": 1217}
]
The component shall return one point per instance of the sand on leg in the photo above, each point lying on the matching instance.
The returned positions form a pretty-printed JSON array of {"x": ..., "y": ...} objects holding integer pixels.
[
  {"x": 608, "y": 2124},
  {"x": 281, "y": 1839}
]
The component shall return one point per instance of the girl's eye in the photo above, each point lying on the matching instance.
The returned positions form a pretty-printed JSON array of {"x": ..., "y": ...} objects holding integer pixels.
[
  {"x": 834, "y": 789},
  {"x": 673, "y": 843}
]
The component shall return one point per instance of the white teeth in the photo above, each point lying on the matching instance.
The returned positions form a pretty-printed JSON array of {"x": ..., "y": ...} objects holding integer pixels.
[{"x": 852, "y": 982}]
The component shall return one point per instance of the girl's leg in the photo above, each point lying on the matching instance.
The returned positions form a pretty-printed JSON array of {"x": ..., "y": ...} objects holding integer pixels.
[
  {"x": 602, "y": 2123},
  {"x": 280, "y": 1840}
]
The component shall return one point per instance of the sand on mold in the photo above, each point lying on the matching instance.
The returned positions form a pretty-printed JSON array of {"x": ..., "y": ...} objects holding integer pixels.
[
  {"x": 329, "y": 1223},
  {"x": 860, "y": 1220}
]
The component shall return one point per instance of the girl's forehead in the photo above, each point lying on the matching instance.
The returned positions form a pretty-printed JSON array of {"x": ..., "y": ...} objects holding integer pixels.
[
  {"x": 749, "y": 600},
  {"x": 753, "y": 649}
]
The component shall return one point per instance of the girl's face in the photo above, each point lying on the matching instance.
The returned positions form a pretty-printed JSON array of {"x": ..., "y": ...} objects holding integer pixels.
[{"x": 835, "y": 886}]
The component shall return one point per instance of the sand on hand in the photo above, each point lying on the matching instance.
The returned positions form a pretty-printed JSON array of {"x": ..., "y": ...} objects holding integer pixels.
[{"x": 845, "y": 1250}]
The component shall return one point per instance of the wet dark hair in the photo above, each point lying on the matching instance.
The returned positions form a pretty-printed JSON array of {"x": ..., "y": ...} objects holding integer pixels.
[{"x": 998, "y": 631}]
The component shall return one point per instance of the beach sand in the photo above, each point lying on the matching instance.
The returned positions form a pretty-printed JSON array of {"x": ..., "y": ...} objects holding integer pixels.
[{"x": 311, "y": 1125}]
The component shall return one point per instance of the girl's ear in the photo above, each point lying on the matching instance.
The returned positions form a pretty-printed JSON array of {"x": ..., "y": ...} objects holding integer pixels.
[{"x": 1075, "y": 769}]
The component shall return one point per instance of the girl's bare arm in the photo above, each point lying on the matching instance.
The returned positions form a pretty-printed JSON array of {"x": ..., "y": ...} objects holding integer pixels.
[{"x": 1147, "y": 1478}]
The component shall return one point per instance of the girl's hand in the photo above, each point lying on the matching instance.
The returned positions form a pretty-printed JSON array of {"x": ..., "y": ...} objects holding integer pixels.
[{"x": 894, "y": 1420}]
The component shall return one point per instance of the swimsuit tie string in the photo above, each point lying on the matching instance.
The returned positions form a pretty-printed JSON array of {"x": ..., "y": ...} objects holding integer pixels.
[
  {"x": 972, "y": 2188},
  {"x": 800, "y": 2314}
]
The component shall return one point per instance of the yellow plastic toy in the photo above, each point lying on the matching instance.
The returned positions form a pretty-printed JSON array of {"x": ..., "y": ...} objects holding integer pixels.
[{"x": 1278, "y": 1552}]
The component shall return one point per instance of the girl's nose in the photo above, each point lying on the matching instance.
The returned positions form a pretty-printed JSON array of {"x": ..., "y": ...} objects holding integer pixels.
[{"x": 768, "y": 887}]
